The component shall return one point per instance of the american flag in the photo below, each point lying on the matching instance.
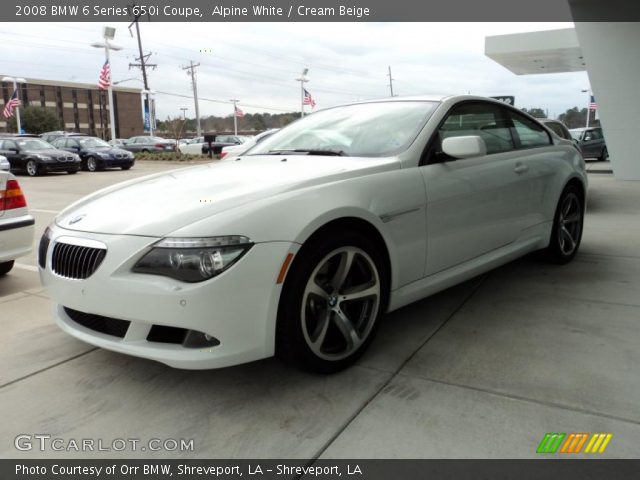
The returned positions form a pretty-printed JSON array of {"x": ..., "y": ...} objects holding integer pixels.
[
  {"x": 13, "y": 102},
  {"x": 104, "y": 82},
  {"x": 239, "y": 113},
  {"x": 592, "y": 104},
  {"x": 308, "y": 99}
]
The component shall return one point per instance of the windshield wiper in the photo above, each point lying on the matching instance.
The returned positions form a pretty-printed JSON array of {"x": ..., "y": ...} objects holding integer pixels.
[{"x": 308, "y": 151}]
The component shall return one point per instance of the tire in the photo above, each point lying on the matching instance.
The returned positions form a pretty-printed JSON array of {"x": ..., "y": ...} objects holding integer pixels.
[
  {"x": 144, "y": 150},
  {"x": 568, "y": 222},
  {"x": 604, "y": 156},
  {"x": 5, "y": 267},
  {"x": 315, "y": 324},
  {"x": 126, "y": 167},
  {"x": 92, "y": 164},
  {"x": 72, "y": 172},
  {"x": 32, "y": 168}
]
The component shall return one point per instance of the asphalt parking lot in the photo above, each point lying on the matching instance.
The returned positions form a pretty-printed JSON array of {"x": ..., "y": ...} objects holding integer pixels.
[{"x": 482, "y": 370}]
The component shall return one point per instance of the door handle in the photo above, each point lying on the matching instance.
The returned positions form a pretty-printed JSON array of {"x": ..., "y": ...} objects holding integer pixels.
[{"x": 520, "y": 168}]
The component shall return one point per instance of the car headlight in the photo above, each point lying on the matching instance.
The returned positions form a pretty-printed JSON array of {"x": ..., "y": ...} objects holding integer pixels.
[
  {"x": 193, "y": 259},
  {"x": 103, "y": 154},
  {"x": 43, "y": 157}
]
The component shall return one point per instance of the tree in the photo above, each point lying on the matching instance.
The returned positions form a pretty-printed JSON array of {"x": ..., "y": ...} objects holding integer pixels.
[
  {"x": 173, "y": 126},
  {"x": 37, "y": 120},
  {"x": 574, "y": 118},
  {"x": 535, "y": 112}
]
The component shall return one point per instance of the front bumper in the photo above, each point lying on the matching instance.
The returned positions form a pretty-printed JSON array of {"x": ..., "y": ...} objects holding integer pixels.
[
  {"x": 238, "y": 307},
  {"x": 117, "y": 162},
  {"x": 16, "y": 236},
  {"x": 60, "y": 166}
]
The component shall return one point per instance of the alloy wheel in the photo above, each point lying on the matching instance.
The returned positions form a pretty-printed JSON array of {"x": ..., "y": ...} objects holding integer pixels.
[
  {"x": 569, "y": 223},
  {"x": 32, "y": 168},
  {"x": 340, "y": 303},
  {"x": 92, "y": 166}
]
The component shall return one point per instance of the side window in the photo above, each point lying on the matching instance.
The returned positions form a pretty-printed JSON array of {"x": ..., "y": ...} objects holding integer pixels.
[
  {"x": 529, "y": 133},
  {"x": 596, "y": 134},
  {"x": 473, "y": 118},
  {"x": 10, "y": 144}
]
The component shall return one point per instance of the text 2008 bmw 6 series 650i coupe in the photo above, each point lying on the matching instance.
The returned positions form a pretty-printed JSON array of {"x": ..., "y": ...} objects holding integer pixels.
[{"x": 299, "y": 246}]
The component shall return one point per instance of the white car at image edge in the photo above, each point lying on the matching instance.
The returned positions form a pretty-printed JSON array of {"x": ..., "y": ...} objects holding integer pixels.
[
  {"x": 300, "y": 246},
  {"x": 16, "y": 225}
]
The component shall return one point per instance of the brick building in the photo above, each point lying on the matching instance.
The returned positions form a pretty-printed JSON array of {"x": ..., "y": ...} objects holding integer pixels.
[{"x": 82, "y": 107}]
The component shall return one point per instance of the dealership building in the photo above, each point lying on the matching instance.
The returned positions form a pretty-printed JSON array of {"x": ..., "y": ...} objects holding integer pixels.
[{"x": 81, "y": 107}]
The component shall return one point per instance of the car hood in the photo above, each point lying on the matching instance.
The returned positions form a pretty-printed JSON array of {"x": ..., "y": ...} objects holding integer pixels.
[
  {"x": 110, "y": 151},
  {"x": 160, "y": 204}
]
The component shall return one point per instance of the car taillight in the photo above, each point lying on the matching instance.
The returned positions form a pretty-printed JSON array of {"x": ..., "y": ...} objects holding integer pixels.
[
  {"x": 12, "y": 197},
  {"x": 159, "y": 145},
  {"x": 222, "y": 155}
]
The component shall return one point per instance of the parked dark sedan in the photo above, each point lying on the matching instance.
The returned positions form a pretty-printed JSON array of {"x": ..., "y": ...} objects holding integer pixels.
[
  {"x": 95, "y": 153},
  {"x": 35, "y": 156},
  {"x": 591, "y": 142},
  {"x": 149, "y": 144}
]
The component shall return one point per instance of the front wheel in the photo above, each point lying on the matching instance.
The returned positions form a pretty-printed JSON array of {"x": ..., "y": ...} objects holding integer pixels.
[
  {"x": 126, "y": 167},
  {"x": 32, "y": 168},
  {"x": 92, "y": 164},
  {"x": 604, "y": 156},
  {"x": 567, "y": 226},
  {"x": 5, "y": 267},
  {"x": 334, "y": 295}
]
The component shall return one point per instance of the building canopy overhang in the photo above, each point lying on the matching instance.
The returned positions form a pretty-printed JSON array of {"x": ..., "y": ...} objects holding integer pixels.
[{"x": 552, "y": 51}]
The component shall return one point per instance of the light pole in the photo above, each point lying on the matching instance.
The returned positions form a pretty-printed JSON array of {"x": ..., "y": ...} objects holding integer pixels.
[
  {"x": 151, "y": 101},
  {"x": 127, "y": 80},
  {"x": 109, "y": 33},
  {"x": 588, "y": 92},
  {"x": 16, "y": 81},
  {"x": 235, "y": 115},
  {"x": 302, "y": 79},
  {"x": 184, "y": 112}
]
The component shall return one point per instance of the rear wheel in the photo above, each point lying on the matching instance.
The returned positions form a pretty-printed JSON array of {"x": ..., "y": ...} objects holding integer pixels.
[
  {"x": 334, "y": 295},
  {"x": 604, "y": 156},
  {"x": 32, "y": 168},
  {"x": 5, "y": 267},
  {"x": 567, "y": 226},
  {"x": 72, "y": 172}
]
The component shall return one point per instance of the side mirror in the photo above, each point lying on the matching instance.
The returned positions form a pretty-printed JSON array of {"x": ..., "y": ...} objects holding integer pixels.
[{"x": 464, "y": 147}]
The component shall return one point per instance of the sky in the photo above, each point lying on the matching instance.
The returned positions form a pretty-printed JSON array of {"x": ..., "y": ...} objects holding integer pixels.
[{"x": 257, "y": 63}]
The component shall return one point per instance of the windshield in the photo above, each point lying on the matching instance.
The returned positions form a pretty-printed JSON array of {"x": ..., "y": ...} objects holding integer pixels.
[
  {"x": 34, "y": 144},
  {"x": 92, "y": 142},
  {"x": 363, "y": 130}
]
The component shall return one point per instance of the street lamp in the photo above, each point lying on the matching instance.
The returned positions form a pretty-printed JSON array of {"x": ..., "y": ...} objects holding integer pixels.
[
  {"x": 16, "y": 81},
  {"x": 588, "y": 92},
  {"x": 184, "y": 112},
  {"x": 127, "y": 80},
  {"x": 302, "y": 79},
  {"x": 109, "y": 33}
]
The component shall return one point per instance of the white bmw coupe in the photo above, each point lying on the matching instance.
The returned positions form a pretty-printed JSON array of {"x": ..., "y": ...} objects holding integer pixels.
[{"x": 299, "y": 246}]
